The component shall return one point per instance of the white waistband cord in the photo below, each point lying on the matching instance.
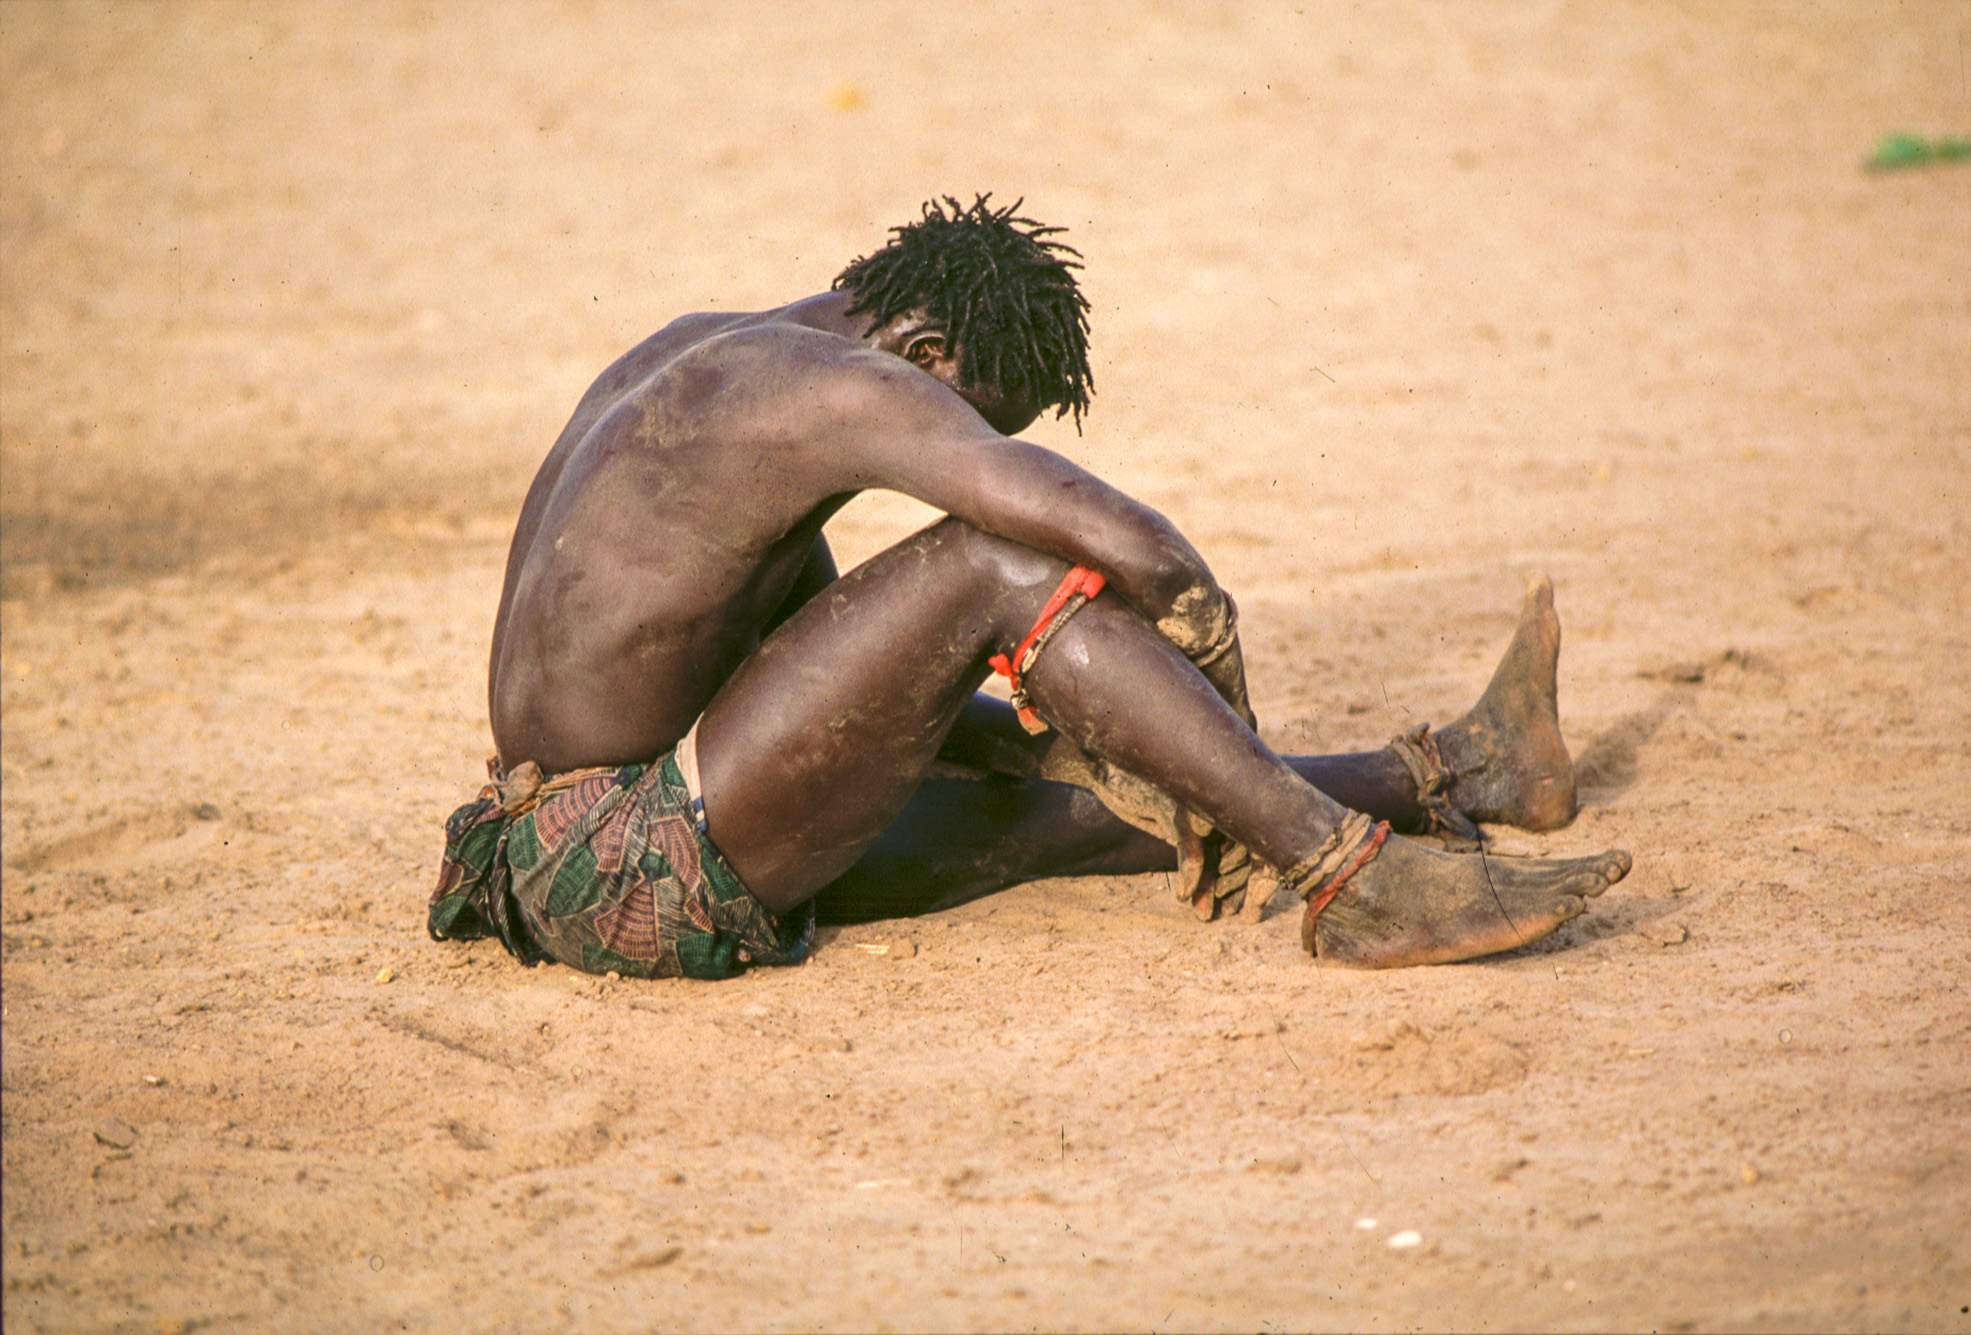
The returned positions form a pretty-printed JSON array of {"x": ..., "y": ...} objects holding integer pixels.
[{"x": 687, "y": 754}]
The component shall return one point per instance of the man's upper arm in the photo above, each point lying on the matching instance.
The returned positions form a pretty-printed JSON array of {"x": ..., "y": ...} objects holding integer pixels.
[{"x": 903, "y": 431}]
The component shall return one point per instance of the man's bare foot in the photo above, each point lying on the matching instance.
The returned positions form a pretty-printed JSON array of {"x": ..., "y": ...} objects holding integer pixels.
[
  {"x": 1412, "y": 905},
  {"x": 1510, "y": 763}
]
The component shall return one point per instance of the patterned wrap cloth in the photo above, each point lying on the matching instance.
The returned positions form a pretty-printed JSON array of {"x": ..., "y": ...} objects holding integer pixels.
[{"x": 604, "y": 869}]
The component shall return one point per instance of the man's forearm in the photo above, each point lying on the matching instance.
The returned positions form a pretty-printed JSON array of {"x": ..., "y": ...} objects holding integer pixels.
[{"x": 1151, "y": 565}]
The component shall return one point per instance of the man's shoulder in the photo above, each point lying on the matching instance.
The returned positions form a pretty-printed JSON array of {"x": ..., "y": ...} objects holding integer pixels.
[
  {"x": 702, "y": 334},
  {"x": 788, "y": 365},
  {"x": 720, "y": 379},
  {"x": 763, "y": 338}
]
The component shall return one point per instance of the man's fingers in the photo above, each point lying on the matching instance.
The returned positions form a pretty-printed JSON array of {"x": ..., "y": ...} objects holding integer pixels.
[
  {"x": 1213, "y": 871},
  {"x": 1236, "y": 880},
  {"x": 1193, "y": 874},
  {"x": 1261, "y": 885}
]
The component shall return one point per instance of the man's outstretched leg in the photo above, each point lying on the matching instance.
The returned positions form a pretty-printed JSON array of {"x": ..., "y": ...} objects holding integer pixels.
[{"x": 818, "y": 743}]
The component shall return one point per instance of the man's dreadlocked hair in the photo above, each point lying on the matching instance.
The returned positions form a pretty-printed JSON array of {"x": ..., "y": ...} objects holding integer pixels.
[{"x": 1005, "y": 294}]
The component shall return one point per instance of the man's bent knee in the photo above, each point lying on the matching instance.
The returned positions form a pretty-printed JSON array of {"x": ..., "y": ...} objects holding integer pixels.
[{"x": 1005, "y": 563}]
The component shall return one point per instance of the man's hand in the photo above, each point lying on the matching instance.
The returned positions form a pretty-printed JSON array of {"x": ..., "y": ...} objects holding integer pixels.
[{"x": 1223, "y": 664}]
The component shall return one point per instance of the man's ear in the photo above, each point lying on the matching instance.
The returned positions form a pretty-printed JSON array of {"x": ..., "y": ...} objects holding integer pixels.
[{"x": 925, "y": 349}]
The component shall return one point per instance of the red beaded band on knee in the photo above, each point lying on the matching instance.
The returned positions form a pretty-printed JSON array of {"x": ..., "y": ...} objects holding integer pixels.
[{"x": 1080, "y": 585}]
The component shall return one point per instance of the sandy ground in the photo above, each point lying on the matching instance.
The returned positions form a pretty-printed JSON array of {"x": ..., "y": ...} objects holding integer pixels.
[{"x": 1393, "y": 304}]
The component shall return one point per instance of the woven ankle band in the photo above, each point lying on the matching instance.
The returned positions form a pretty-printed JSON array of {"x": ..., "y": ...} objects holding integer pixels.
[{"x": 1417, "y": 749}]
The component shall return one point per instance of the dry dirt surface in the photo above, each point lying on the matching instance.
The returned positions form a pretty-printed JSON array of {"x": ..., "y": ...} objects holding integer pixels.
[{"x": 1393, "y": 305}]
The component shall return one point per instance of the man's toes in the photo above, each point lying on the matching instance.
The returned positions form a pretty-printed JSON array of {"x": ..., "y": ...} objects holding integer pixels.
[
  {"x": 1588, "y": 881},
  {"x": 1560, "y": 910},
  {"x": 1539, "y": 600},
  {"x": 1591, "y": 876}
]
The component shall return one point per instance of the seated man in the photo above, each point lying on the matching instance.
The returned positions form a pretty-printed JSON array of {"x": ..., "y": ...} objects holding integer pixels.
[{"x": 705, "y": 734}]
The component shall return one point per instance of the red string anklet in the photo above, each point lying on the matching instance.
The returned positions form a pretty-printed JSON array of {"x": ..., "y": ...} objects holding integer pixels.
[
  {"x": 1080, "y": 585},
  {"x": 1321, "y": 898}
]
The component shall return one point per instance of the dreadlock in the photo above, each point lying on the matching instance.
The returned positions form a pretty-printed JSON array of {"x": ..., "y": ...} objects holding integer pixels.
[{"x": 1004, "y": 292}]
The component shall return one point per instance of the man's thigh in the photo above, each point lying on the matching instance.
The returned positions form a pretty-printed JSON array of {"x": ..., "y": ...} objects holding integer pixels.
[{"x": 816, "y": 745}]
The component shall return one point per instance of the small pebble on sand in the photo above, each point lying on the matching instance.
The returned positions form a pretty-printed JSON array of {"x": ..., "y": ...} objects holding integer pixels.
[
  {"x": 115, "y": 1133},
  {"x": 1405, "y": 1240},
  {"x": 900, "y": 949},
  {"x": 385, "y": 975}
]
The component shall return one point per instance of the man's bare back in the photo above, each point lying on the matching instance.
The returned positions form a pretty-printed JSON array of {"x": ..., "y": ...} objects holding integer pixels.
[
  {"x": 658, "y": 542},
  {"x": 668, "y": 580}
]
